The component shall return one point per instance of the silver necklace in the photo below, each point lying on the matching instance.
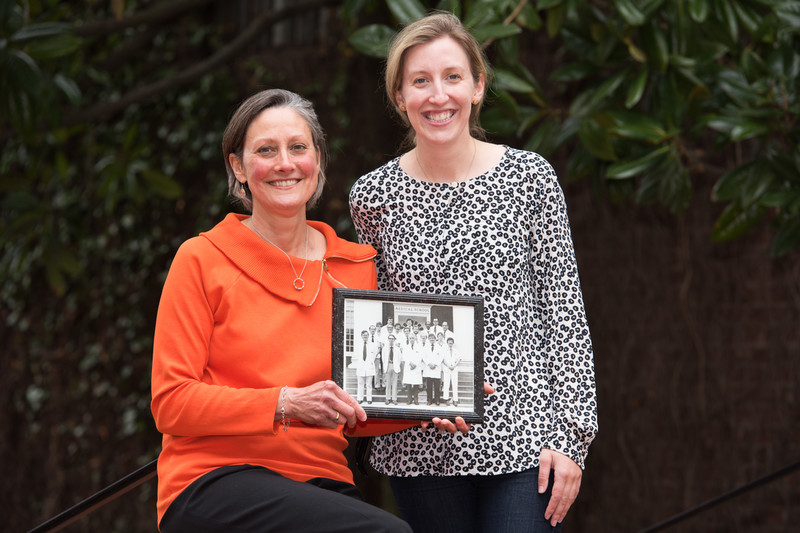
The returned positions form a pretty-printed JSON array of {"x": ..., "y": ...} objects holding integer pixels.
[
  {"x": 298, "y": 282},
  {"x": 454, "y": 183}
]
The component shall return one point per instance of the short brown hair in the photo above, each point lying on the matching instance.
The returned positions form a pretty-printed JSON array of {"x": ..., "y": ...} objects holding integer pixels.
[
  {"x": 236, "y": 132},
  {"x": 425, "y": 30}
]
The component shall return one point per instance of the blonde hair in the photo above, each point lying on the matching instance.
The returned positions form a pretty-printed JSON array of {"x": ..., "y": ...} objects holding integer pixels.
[{"x": 425, "y": 30}]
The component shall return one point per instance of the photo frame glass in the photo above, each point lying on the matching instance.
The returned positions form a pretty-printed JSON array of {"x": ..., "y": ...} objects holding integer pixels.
[{"x": 410, "y": 356}]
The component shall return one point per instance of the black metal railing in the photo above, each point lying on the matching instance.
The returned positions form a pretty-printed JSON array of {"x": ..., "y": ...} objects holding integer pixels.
[
  {"x": 99, "y": 499},
  {"x": 685, "y": 515},
  {"x": 148, "y": 472}
]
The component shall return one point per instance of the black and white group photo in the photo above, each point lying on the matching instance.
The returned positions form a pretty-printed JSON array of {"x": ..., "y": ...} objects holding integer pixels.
[{"x": 399, "y": 356}]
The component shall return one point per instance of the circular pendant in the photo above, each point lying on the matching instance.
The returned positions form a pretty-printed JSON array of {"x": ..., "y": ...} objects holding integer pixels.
[{"x": 298, "y": 284}]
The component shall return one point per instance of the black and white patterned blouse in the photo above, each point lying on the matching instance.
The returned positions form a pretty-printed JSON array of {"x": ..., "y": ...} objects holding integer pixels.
[{"x": 505, "y": 236}]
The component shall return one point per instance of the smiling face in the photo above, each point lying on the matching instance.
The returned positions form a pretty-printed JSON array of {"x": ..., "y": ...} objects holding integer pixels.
[
  {"x": 279, "y": 162},
  {"x": 437, "y": 91}
]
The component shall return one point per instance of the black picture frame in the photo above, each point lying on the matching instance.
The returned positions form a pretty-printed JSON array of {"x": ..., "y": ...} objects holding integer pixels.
[{"x": 354, "y": 310}]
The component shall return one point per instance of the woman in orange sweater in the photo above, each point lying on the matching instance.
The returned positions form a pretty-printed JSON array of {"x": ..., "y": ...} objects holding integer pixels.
[{"x": 253, "y": 426}]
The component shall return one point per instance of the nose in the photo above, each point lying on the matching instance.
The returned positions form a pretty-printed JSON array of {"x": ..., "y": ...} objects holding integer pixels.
[
  {"x": 284, "y": 162},
  {"x": 439, "y": 96}
]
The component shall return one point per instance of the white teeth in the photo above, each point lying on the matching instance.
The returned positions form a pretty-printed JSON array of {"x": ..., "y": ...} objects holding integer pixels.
[
  {"x": 439, "y": 117},
  {"x": 284, "y": 183}
]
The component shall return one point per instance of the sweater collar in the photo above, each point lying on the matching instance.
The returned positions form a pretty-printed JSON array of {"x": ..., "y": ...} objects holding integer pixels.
[{"x": 269, "y": 267}]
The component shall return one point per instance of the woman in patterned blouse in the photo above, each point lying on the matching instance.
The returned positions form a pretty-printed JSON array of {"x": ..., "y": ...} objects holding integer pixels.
[{"x": 458, "y": 215}]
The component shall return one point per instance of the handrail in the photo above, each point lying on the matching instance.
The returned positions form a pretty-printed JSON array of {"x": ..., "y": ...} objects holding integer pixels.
[
  {"x": 148, "y": 471},
  {"x": 100, "y": 498},
  {"x": 721, "y": 498}
]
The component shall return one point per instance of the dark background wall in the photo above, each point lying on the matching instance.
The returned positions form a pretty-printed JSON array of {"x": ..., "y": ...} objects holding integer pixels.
[{"x": 697, "y": 350}]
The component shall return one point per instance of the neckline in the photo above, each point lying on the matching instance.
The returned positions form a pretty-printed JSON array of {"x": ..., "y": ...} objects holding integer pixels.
[{"x": 453, "y": 185}]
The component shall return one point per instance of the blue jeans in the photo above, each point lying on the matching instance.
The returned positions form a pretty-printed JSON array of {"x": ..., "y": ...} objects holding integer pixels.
[{"x": 507, "y": 503}]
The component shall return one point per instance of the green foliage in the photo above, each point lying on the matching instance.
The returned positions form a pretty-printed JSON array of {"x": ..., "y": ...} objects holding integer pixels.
[{"x": 658, "y": 93}]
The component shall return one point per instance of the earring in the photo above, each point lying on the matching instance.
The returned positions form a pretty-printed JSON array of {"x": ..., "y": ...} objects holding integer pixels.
[
  {"x": 476, "y": 101},
  {"x": 402, "y": 108}
]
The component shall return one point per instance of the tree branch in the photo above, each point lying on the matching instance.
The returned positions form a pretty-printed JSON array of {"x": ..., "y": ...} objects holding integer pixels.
[
  {"x": 158, "y": 13},
  {"x": 103, "y": 111}
]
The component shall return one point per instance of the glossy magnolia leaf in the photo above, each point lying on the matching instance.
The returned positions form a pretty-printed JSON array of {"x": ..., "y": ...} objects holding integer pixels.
[
  {"x": 574, "y": 71},
  {"x": 636, "y": 89},
  {"x": 495, "y": 31},
  {"x": 406, "y": 11},
  {"x": 496, "y": 122},
  {"x": 654, "y": 42},
  {"x": 747, "y": 16},
  {"x": 787, "y": 239},
  {"x": 736, "y": 86},
  {"x": 596, "y": 139},
  {"x": 630, "y": 12},
  {"x": 543, "y": 138},
  {"x": 555, "y": 19},
  {"x": 69, "y": 88},
  {"x": 529, "y": 18},
  {"x": 735, "y": 221},
  {"x": 698, "y": 10},
  {"x": 729, "y": 186},
  {"x": 726, "y": 14},
  {"x": 372, "y": 40},
  {"x": 781, "y": 199},
  {"x": 504, "y": 79},
  {"x": 675, "y": 189},
  {"x": 479, "y": 14},
  {"x": 53, "y": 47},
  {"x": 453, "y": 6},
  {"x": 37, "y": 31},
  {"x": 638, "y": 126},
  {"x": 606, "y": 89},
  {"x": 630, "y": 168},
  {"x": 747, "y": 129}
]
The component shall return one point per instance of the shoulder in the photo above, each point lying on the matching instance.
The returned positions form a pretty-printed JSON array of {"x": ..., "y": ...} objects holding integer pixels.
[
  {"x": 375, "y": 181},
  {"x": 338, "y": 247}
]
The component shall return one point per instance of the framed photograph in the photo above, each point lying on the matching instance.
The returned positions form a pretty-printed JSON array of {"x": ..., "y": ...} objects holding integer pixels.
[{"x": 410, "y": 356}]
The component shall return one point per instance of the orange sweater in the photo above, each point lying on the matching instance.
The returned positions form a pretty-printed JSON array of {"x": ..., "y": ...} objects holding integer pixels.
[{"x": 231, "y": 331}]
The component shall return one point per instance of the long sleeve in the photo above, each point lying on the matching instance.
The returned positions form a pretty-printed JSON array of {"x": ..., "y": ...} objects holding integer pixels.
[
  {"x": 568, "y": 346},
  {"x": 184, "y": 403}
]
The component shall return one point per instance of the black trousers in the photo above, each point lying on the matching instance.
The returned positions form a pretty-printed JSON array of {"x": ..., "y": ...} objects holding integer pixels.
[{"x": 253, "y": 499}]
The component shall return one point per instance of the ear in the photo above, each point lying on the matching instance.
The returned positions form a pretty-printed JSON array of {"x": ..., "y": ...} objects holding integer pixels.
[
  {"x": 399, "y": 101},
  {"x": 480, "y": 86},
  {"x": 236, "y": 165}
]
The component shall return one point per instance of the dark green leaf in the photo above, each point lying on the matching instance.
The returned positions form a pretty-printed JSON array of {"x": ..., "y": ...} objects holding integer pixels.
[
  {"x": 555, "y": 19},
  {"x": 372, "y": 40},
  {"x": 630, "y": 12},
  {"x": 596, "y": 139},
  {"x": 698, "y": 9},
  {"x": 727, "y": 15},
  {"x": 505, "y": 80},
  {"x": 574, "y": 71},
  {"x": 735, "y": 221},
  {"x": 53, "y": 47},
  {"x": 37, "y": 31},
  {"x": 406, "y": 11},
  {"x": 654, "y": 42},
  {"x": 529, "y": 18},
  {"x": 495, "y": 31},
  {"x": 787, "y": 238},
  {"x": 636, "y": 89},
  {"x": 638, "y": 126},
  {"x": 630, "y": 168}
]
